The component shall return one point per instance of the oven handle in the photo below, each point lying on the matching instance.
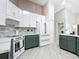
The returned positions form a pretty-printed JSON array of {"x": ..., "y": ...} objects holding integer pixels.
[{"x": 19, "y": 39}]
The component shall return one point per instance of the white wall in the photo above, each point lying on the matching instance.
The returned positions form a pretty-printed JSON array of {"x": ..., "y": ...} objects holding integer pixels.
[
  {"x": 77, "y": 18},
  {"x": 49, "y": 11},
  {"x": 59, "y": 18},
  {"x": 70, "y": 20}
]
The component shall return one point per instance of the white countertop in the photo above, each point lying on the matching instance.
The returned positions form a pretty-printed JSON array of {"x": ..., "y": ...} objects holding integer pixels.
[
  {"x": 44, "y": 34},
  {"x": 4, "y": 51},
  {"x": 70, "y": 35},
  {"x": 31, "y": 34}
]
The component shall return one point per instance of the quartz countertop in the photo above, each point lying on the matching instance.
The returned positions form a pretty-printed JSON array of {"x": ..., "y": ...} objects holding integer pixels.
[
  {"x": 45, "y": 35},
  {"x": 31, "y": 34},
  {"x": 4, "y": 51},
  {"x": 70, "y": 35}
]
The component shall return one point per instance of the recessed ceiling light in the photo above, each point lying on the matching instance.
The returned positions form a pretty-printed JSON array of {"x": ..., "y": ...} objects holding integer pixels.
[
  {"x": 26, "y": 12},
  {"x": 63, "y": 3}
]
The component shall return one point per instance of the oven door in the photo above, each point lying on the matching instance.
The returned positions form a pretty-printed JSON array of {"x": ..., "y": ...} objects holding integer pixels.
[{"x": 17, "y": 46}]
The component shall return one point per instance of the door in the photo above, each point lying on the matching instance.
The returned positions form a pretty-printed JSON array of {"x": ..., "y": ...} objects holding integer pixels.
[{"x": 71, "y": 44}]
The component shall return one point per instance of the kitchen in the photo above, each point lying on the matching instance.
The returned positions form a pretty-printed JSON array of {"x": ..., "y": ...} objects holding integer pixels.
[{"x": 31, "y": 29}]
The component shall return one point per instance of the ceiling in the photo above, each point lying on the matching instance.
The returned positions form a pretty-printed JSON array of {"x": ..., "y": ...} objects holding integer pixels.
[
  {"x": 40, "y": 2},
  {"x": 43, "y": 2},
  {"x": 70, "y": 4},
  {"x": 57, "y": 3}
]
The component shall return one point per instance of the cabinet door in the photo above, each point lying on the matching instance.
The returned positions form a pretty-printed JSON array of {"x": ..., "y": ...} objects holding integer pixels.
[
  {"x": 42, "y": 24},
  {"x": 12, "y": 23},
  {"x": 13, "y": 10},
  {"x": 78, "y": 46},
  {"x": 4, "y": 55},
  {"x": 71, "y": 44},
  {"x": 2, "y": 12},
  {"x": 18, "y": 13},
  {"x": 32, "y": 20},
  {"x": 63, "y": 42},
  {"x": 24, "y": 22},
  {"x": 28, "y": 42},
  {"x": 31, "y": 41},
  {"x": 41, "y": 21},
  {"x": 36, "y": 40},
  {"x": 10, "y": 9}
]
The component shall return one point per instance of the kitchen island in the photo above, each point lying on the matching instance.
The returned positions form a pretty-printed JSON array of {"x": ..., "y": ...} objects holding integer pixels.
[{"x": 69, "y": 43}]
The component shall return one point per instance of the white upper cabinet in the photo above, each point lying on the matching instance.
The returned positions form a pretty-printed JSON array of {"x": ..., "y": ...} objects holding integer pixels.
[
  {"x": 2, "y": 12},
  {"x": 41, "y": 24},
  {"x": 19, "y": 13},
  {"x": 24, "y": 21},
  {"x": 10, "y": 9},
  {"x": 13, "y": 11},
  {"x": 28, "y": 20},
  {"x": 32, "y": 20}
]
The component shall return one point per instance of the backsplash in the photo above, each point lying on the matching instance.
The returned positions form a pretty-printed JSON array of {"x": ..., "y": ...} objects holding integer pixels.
[
  {"x": 26, "y": 31},
  {"x": 7, "y": 31}
]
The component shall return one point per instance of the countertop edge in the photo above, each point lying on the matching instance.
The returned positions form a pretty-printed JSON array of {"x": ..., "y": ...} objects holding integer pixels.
[
  {"x": 4, "y": 51},
  {"x": 70, "y": 35}
]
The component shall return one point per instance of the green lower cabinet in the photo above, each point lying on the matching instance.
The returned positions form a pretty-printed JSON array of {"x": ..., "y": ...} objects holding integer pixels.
[
  {"x": 71, "y": 44},
  {"x": 68, "y": 43},
  {"x": 4, "y": 55},
  {"x": 78, "y": 46},
  {"x": 31, "y": 41},
  {"x": 63, "y": 42}
]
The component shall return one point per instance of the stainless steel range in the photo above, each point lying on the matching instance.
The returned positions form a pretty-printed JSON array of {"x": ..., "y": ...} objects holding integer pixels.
[{"x": 17, "y": 46}]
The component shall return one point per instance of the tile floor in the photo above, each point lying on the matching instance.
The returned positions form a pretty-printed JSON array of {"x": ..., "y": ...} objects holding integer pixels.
[{"x": 51, "y": 51}]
